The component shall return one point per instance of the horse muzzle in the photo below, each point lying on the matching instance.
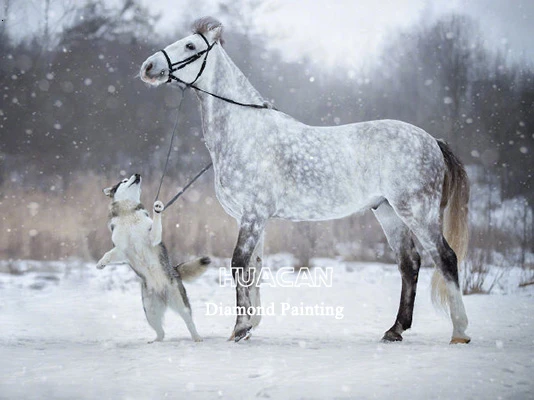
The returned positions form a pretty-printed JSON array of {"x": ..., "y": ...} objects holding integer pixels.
[{"x": 154, "y": 71}]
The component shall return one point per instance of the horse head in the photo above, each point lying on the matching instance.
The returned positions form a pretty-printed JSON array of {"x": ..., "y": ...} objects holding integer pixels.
[{"x": 185, "y": 60}]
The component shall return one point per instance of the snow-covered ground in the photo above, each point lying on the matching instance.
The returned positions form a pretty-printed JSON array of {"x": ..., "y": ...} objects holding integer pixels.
[{"x": 81, "y": 334}]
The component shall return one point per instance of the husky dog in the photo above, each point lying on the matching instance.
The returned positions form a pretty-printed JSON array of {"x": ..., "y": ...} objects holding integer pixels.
[{"x": 137, "y": 241}]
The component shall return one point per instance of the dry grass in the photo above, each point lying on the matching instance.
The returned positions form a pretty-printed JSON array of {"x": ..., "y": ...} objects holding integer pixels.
[
  {"x": 476, "y": 276},
  {"x": 72, "y": 224}
]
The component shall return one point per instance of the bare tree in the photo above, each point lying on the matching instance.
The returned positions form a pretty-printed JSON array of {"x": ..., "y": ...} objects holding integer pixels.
[{"x": 5, "y": 17}]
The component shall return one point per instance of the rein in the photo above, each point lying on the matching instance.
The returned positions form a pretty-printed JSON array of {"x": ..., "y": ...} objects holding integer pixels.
[
  {"x": 177, "y": 195},
  {"x": 173, "y": 67},
  {"x": 183, "y": 63}
]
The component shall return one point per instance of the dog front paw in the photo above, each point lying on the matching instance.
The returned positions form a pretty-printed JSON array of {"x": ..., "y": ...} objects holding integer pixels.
[
  {"x": 158, "y": 206},
  {"x": 100, "y": 266}
]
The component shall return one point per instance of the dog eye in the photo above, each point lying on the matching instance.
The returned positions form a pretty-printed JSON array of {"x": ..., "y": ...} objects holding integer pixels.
[
  {"x": 124, "y": 180},
  {"x": 190, "y": 46}
]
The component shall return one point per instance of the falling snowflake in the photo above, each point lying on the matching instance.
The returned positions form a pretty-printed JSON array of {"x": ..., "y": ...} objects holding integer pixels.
[{"x": 44, "y": 85}]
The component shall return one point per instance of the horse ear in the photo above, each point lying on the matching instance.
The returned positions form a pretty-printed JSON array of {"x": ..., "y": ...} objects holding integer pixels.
[
  {"x": 210, "y": 27},
  {"x": 215, "y": 34}
]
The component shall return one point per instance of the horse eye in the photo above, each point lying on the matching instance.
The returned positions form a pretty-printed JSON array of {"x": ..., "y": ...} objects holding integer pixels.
[{"x": 190, "y": 46}]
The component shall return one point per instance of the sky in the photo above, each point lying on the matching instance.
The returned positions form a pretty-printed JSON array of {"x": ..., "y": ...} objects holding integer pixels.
[
  {"x": 351, "y": 32},
  {"x": 332, "y": 32}
]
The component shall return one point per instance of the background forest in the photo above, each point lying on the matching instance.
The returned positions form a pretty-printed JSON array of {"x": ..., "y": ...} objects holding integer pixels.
[{"x": 74, "y": 118}]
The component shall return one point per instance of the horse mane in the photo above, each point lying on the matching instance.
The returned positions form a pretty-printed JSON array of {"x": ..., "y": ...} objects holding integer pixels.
[{"x": 206, "y": 24}]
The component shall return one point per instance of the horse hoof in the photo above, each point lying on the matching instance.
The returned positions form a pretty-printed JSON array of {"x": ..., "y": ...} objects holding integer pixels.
[
  {"x": 243, "y": 333},
  {"x": 391, "y": 336},
  {"x": 233, "y": 337},
  {"x": 460, "y": 340}
]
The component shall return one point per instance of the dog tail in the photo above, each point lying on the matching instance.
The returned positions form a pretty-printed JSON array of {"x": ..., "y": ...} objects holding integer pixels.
[{"x": 191, "y": 270}]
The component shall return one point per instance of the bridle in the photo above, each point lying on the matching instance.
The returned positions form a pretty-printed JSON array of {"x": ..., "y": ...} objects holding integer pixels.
[{"x": 173, "y": 67}]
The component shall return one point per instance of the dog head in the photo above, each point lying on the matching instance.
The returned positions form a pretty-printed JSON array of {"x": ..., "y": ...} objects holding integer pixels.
[{"x": 127, "y": 189}]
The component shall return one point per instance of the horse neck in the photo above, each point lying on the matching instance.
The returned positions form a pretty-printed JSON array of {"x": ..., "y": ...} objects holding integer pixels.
[{"x": 225, "y": 80}]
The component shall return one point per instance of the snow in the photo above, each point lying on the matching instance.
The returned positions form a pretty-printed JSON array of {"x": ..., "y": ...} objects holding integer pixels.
[{"x": 69, "y": 331}]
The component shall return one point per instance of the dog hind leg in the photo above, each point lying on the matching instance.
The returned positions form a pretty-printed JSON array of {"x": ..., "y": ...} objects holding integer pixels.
[
  {"x": 179, "y": 302},
  {"x": 154, "y": 306}
]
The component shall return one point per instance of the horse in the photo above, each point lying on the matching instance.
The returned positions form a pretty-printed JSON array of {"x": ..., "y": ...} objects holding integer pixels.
[{"x": 267, "y": 165}]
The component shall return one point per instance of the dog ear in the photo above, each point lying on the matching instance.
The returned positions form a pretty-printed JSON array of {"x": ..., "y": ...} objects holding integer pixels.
[{"x": 108, "y": 191}]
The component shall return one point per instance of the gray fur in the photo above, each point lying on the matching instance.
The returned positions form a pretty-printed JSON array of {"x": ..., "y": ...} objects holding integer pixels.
[
  {"x": 268, "y": 165},
  {"x": 116, "y": 209},
  {"x": 189, "y": 271}
]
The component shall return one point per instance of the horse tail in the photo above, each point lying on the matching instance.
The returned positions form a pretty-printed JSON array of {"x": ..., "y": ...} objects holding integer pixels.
[{"x": 454, "y": 208}]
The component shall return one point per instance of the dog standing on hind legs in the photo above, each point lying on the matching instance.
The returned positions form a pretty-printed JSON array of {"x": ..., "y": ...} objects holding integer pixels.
[{"x": 138, "y": 242}]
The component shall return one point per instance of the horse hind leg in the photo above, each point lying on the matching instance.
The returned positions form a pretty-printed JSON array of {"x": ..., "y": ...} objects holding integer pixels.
[
  {"x": 447, "y": 264},
  {"x": 401, "y": 242},
  {"x": 456, "y": 304},
  {"x": 427, "y": 227}
]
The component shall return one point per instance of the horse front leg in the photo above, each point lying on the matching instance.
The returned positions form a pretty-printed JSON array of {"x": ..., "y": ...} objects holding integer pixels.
[
  {"x": 255, "y": 265},
  {"x": 250, "y": 235}
]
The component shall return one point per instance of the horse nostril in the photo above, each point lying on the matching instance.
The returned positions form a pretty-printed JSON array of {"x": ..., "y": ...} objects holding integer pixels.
[{"x": 149, "y": 67}]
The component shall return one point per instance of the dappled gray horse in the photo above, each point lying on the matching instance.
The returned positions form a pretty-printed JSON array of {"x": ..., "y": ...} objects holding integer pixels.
[{"x": 269, "y": 165}]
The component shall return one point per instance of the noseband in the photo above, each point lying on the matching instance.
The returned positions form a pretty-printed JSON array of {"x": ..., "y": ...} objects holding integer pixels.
[{"x": 183, "y": 63}]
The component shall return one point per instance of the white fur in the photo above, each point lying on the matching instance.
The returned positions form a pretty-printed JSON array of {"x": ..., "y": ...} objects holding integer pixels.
[{"x": 138, "y": 243}]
